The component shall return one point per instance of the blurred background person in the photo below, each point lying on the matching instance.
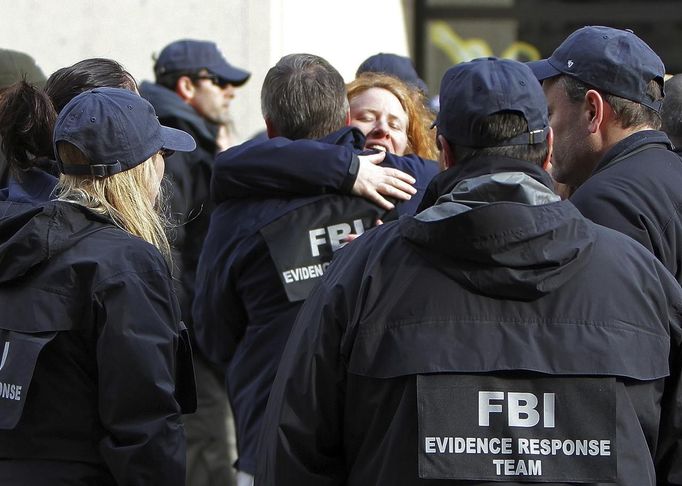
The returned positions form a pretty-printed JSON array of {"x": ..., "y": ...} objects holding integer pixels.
[
  {"x": 392, "y": 64},
  {"x": 194, "y": 88}
]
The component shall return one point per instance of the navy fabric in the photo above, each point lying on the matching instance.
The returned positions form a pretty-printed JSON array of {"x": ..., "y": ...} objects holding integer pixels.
[
  {"x": 186, "y": 186},
  {"x": 472, "y": 91},
  {"x": 505, "y": 289},
  {"x": 399, "y": 66},
  {"x": 635, "y": 190},
  {"x": 193, "y": 55},
  {"x": 242, "y": 313},
  {"x": 35, "y": 186},
  {"x": 612, "y": 60},
  {"x": 104, "y": 401},
  {"x": 116, "y": 130},
  {"x": 281, "y": 167}
]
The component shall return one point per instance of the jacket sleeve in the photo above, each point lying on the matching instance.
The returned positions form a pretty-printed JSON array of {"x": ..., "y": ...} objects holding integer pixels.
[
  {"x": 610, "y": 205},
  {"x": 282, "y": 167},
  {"x": 423, "y": 170},
  {"x": 301, "y": 438},
  {"x": 669, "y": 450},
  {"x": 137, "y": 345},
  {"x": 218, "y": 312}
]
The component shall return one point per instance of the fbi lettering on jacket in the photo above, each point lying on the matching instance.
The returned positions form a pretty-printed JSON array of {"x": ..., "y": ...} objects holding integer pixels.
[{"x": 476, "y": 427}]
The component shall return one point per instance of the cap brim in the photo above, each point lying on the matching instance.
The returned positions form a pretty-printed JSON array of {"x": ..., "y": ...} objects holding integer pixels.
[
  {"x": 233, "y": 75},
  {"x": 542, "y": 69},
  {"x": 177, "y": 140}
]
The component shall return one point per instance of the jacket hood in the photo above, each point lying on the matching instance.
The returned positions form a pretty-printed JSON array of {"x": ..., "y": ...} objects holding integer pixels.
[
  {"x": 505, "y": 235},
  {"x": 167, "y": 104},
  {"x": 27, "y": 236},
  {"x": 446, "y": 180}
]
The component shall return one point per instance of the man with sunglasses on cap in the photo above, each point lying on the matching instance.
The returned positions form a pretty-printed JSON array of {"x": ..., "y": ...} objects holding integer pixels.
[
  {"x": 498, "y": 336},
  {"x": 604, "y": 88},
  {"x": 194, "y": 87}
]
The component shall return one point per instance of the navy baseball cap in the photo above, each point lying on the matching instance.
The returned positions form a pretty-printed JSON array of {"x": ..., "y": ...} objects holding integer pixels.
[
  {"x": 472, "y": 91},
  {"x": 395, "y": 65},
  {"x": 611, "y": 60},
  {"x": 116, "y": 130},
  {"x": 192, "y": 55}
]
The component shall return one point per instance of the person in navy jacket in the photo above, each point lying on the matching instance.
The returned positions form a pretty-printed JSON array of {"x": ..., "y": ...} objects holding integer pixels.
[
  {"x": 96, "y": 365},
  {"x": 497, "y": 337}
]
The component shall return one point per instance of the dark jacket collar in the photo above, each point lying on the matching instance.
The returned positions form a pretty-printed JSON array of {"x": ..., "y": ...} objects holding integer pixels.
[
  {"x": 632, "y": 143},
  {"x": 167, "y": 104},
  {"x": 444, "y": 182},
  {"x": 34, "y": 187}
]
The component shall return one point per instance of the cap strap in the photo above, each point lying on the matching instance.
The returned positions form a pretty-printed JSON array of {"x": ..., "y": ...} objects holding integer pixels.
[
  {"x": 528, "y": 138},
  {"x": 96, "y": 170}
]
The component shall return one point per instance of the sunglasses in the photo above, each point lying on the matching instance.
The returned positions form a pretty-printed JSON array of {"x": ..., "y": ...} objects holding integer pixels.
[{"x": 213, "y": 79}]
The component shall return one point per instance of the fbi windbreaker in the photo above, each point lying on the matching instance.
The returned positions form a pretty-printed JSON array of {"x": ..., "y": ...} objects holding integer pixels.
[
  {"x": 495, "y": 338},
  {"x": 95, "y": 366}
]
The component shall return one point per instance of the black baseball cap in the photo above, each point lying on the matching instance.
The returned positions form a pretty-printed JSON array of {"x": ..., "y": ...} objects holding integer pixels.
[
  {"x": 395, "y": 65},
  {"x": 472, "y": 91},
  {"x": 193, "y": 55},
  {"x": 611, "y": 60},
  {"x": 116, "y": 130}
]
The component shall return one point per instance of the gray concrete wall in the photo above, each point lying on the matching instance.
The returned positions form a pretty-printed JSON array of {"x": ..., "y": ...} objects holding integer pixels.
[{"x": 252, "y": 34}]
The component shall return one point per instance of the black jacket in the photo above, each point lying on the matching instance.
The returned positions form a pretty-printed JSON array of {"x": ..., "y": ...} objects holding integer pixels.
[
  {"x": 96, "y": 362},
  {"x": 635, "y": 189},
  {"x": 261, "y": 258},
  {"x": 431, "y": 334},
  {"x": 35, "y": 185},
  {"x": 280, "y": 167},
  {"x": 186, "y": 186}
]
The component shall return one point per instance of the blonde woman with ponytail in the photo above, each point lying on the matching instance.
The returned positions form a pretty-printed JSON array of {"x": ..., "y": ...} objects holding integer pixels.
[{"x": 95, "y": 360}]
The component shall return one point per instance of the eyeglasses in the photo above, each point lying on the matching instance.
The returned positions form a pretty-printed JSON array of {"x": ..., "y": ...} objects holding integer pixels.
[{"x": 221, "y": 83}]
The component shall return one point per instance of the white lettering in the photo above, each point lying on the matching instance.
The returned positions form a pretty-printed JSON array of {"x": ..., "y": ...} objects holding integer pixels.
[
  {"x": 358, "y": 227},
  {"x": 430, "y": 445},
  {"x": 510, "y": 467},
  {"x": 338, "y": 232},
  {"x": 605, "y": 446},
  {"x": 304, "y": 273},
  {"x": 443, "y": 444},
  {"x": 4, "y": 354},
  {"x": 485, "y": 408},
  {"x": 523, "y": 446},
  {"x": 521, "y": 409},
  {"x": 316, "y": 241},
  {"x": 548, "y": 410},
  {"x": 10, "y": 391}
]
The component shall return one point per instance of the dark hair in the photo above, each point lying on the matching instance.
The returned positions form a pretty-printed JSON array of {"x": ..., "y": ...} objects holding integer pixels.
[
  {"x": 170, "y": 79},
  {"x": 503, "y": 126},
  {"x": 27, "y": 118},
  {"x": 303, "y": 96},
  {"x": 671, "y": 113},
  {"x": 65, "y": 83},
  {"x": 28, "y": 115},
  {"x": 628, "y": 113}
]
